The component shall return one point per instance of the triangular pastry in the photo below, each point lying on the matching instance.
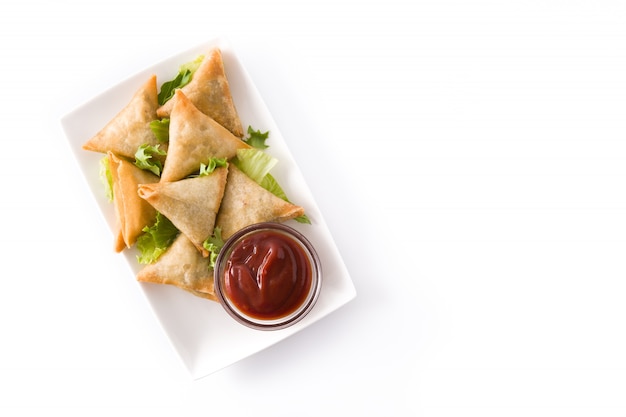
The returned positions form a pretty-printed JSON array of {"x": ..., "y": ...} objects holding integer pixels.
[
  {"x": 133, "y": 213},
  {"x": 118, "y": 237},
  {"x": 181, "y": 265},
  {"x": 190, "y": 204},
  {"x": 210, "y": 92},
  {"x": 245, "y": 202},
  {"x": 194, "y": 139},
  {"x": 130, "y": 128}
]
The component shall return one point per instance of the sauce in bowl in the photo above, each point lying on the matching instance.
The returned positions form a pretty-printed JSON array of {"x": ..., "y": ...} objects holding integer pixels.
[{"x": 267, "y": 276}]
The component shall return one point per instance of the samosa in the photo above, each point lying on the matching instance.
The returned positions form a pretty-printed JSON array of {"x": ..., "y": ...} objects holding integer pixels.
[
  {"x": 133, "y": 213},
  {"x": 181, "y": 265},
  {"x": 210, "y": 93},
  {"x": 191, "y": 204},
  {"x": 194, "y": 138},
  {"x": 245, "y": 202},
  {"x": 130, "y": 128}
]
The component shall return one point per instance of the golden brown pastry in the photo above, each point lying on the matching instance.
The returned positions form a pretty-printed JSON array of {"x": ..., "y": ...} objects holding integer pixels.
[
  {"x": 181, "y": 265},
  {"x": 118, "y": 237},
  {"x": 190, "y": 204},
  {"x": 130, "y": 128},
  {"x": 245, "y": 202},
  {"x": 210, "y": 93},
  {"x": 133, "y": 213},
  {"x": 194, "y": 139}
]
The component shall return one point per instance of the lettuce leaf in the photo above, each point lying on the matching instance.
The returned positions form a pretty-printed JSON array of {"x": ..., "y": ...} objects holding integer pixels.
[
  {"x": 143, "y": 158},
  {"x": 161, "y": 129},
  {"x": 254, "y": 163},
  {"x": 209, "y": 167},
  {"x": 192, "y": 66},
  {"x": 214, "y": 245},
  {"x": 106, "y": 178},
  {"x": 184, "y": 76},
  {"x": 169, "y": 87},
  {"x": 271, "y": 185},
  {"x": 156, "y": 239},
  {"x": 256, "y": 139},
  {"x": 212, "y": 165}
]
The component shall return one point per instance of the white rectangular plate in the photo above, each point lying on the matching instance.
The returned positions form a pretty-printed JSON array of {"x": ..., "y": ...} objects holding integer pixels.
[{"x": 203, "y": 335}]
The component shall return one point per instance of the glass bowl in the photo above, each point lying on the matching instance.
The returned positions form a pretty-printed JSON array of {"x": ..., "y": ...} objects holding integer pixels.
[{"x": 268, "y": 276}]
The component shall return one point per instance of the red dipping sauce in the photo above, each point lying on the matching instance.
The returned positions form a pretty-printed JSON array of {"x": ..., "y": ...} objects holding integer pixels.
[{"x": 267, "y": 273}]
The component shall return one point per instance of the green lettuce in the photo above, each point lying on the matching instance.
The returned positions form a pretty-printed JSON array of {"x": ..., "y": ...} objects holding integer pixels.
[
  {"x": 271, "y": 185},
  {"x": 254, "y": 163},
  {"x": 214, "y": 245},
  {"x": 106, "y": 178},
  {"x": 209, "y": 167},
  {"x": 144, "y": 160},
  {"x": 206, "y": 169},
  {"x": 161, "y": 129},
  {"x": 256, "y": 138},
  {"x": 184, "y": 76},
  {"x": 156, "y": 239}
]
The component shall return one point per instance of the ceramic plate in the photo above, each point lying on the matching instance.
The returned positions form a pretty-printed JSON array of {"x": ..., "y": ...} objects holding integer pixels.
[{"x": 205, "y": 337}]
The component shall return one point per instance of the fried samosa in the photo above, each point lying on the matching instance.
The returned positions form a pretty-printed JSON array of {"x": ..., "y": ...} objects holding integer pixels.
[
  {"x": 118, "y": 241},
  {"x": 133, "y": 212},
  {"x": 194, "y": 139},
  {"x": 191, "y": 204},
  {"x": 181, "y": 265},
  {"x": 210, "y": 93},
  {"x": 130, "y": 128},
  {"x": 245, "y": 202}
]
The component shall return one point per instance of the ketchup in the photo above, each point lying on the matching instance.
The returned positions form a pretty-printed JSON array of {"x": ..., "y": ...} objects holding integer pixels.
[{"x": 267, "y": 275}]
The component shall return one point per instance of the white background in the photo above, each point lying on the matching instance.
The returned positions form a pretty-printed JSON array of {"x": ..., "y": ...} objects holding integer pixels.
[{"x": 469, "y": 157}]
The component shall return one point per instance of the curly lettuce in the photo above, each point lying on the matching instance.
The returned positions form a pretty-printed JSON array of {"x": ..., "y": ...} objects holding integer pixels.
[
  {"x": 156, "y": 239},
  {"x": 214, "y": 245},
  {"x": 144, "y": 158},
  {"x": 256, "y": 138}
]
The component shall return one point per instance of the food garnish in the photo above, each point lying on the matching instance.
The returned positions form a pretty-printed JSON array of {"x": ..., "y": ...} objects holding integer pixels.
[
  {"x": 184, "y": 76},
  {"x": 156, "y": 239},
  {"x": 144, "y": 158}
]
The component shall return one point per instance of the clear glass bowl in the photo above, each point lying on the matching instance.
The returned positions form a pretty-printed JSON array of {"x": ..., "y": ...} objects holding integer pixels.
[{"x": 236, "y": 273}]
